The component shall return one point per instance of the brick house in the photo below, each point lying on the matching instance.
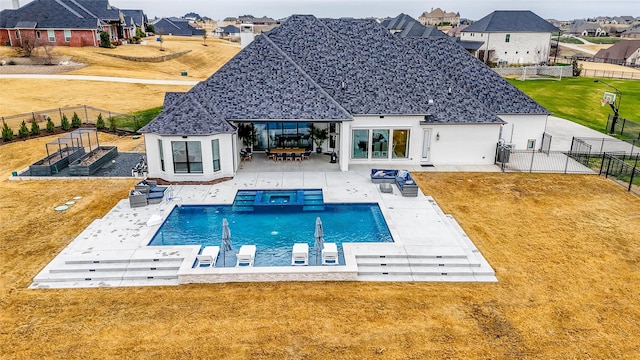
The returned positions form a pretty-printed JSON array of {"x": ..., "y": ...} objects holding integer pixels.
[{"x": 66, "y": 23}]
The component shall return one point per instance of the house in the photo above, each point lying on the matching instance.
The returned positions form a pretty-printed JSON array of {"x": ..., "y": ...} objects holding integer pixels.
[
  {"x": 134, "y": 20},
  {"x": 67, "y": 23},
  {"x": 584, "y": 28},
  {"x": 175, "y": 26},
  {"x": 404, "y": 25},
  {"x": 633, "y": 33},
  {"x": 385, "y": 101},
  {"x": 438, "y": 16},
  {"x": 625, "y": 52},
  {"x": 227, "y": 31},
  {"x": 512, "y": 37}
]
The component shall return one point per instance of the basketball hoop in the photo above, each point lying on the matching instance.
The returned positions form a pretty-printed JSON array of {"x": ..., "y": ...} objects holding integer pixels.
[{"x": 604, "y": 102}]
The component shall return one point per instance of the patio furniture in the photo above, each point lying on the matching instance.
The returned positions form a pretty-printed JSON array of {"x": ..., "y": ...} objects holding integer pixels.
[
  {"x": 280, "y": 157},
  {"x": 245, "y": 156},
  {"x": 270, "y": 155},
  {"x": 246, "y": 255},
  {"x": 291, "y": 156},
  {"x": 386, "y": 188},
  {"x": 300, "y": 254},
  {"x": 145, "y": 185},
  {"x": 306, "y": 155},
  {"x": 208, "y": 256},
  {"x": 383, "y": 176},
  {"x": 137, "y": 198},
  {"x": 406, "y": 184},
  {"x": 330, "y": 254},
  {"x": 297, "y": 157}
]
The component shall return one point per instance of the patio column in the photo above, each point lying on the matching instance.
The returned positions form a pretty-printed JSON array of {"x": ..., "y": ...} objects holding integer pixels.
[{"x": 344, "y": 149}]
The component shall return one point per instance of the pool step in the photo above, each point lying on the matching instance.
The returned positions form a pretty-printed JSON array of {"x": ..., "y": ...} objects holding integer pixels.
[
  {"x": 114, "y": 268},
  {"x": 392, "y": 262},
  {"x": 312, "y": 200}
]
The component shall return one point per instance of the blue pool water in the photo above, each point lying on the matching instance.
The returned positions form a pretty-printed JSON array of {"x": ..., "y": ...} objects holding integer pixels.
[{"x": 273, "y": 231}]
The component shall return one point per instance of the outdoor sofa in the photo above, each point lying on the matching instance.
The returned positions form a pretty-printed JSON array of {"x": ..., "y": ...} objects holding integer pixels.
[
  {"x": 406, "y": 184},
  {"x": 383, "y": 176}
]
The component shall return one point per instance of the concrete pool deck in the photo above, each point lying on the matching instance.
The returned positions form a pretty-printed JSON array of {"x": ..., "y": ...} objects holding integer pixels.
[{"x": 112, "y": 251}]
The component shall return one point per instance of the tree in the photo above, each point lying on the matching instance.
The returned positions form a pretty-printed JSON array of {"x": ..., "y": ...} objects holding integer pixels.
[
  {"x": 35, "y": 128},
  {"x": 542, "y": 55},
  {"x": 64, "y": 123},
  {"x": 7, "y": 133},
  {"x": 150, "y": 28},
  {"x": 113, "y": 124},
  {"x": 105, "y": 40},
  {"x": 23, "y": 131},
  {"x": 100, "y": 122},
  {"x": 577, "y": 69},
  {"x": 161, "y": 38},
  {"x": 27, "y": 45},
  {"x": 51, "y": 127},
  {"x": 75, "y": 121},
  {"x": 248, "y": 134},
  {"x": 48, "y": 53}
]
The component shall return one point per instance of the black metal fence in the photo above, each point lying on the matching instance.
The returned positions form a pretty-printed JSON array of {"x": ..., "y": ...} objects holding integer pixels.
[
  {"x": 626, "y": 128},
  {"x": 87, "y": 114},
  {"x": 534, "y": 161},
  {"x": 602, "y": 145},
  {"x": 623, "y": 169}
]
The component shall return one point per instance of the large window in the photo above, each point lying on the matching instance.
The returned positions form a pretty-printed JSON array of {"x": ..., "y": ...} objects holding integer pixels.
[
  {"x": 67, "y": 35},
  {"x": 187, "y": 157},
  {"x": 383, "y": 144},
  {"x": 282, "y": 134},
  {"x": 360, "y": 144},
  {"x": 52, "y": 35},
  {"x": 400, "y": 144},
  {"x": 215, "y": 148},
  {"x": 161, "y": 154},
  {"x": 380, "y": 144}
]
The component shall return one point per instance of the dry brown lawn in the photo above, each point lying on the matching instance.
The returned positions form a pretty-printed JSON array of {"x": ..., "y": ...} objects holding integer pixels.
[
  {"x": 27, "y": 95},
  {"x": 565, "y": 249}
]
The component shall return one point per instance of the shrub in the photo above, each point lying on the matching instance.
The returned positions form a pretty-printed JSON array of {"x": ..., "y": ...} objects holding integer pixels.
[
  {"x": 23, "y": 131},
  {"x": 35, "y": 128},
  {"x": 75, "y": 121},
  {"x": 105, "y": 40},
  {"x": 100, "y": 122},
  {"x": 7, "y": 133},
  {"x": 113, "y": 125},
  {"x": 577, "y": 69},
  {"x": 64, "y": 123},
  {"x": 51, "y": 127},
  {"x": 11, "y": 62}
]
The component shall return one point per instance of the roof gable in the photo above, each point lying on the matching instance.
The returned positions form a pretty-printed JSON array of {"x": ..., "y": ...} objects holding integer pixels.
[
  {"x": 621, "y": 50},
  {"x": 56, "y": 14},
  {"x": 511, "y": 21}
]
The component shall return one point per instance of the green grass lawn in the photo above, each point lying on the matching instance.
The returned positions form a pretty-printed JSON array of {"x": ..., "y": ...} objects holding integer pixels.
[
  {"x": 578, "y": 99},
  {"x": 602, "y": 40}
]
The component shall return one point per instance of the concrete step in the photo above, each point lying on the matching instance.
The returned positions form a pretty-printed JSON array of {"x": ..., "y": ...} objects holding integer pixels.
[
  {"x": 106, "y": 276},
  {"x": 120, "y": 266}
]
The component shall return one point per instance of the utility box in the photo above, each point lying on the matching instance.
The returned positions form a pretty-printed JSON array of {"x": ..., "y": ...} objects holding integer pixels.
[{"x": 504, "y": 151}]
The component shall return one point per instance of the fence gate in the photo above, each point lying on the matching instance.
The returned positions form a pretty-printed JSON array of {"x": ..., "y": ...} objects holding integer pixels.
[{"x": 546, "y": 143}]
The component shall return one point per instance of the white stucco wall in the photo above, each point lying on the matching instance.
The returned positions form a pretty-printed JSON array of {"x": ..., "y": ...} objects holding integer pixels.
[
  {"x": 462, "y": 144},
  {"x": 522, "y": 48},
  {"x": 522, "y": 128},
  {"x": 456, "y": 144},
  {"x": 227, "y": 154}
]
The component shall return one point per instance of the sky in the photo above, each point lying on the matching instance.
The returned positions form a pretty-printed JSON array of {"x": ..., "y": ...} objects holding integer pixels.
[{"x": 277, "y": 9}]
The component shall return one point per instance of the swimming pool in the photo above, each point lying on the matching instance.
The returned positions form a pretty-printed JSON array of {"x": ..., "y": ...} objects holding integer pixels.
[{"x": 273, "y": 231}]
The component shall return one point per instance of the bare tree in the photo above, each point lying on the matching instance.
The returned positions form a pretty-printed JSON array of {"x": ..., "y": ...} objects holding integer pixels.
[
  {"x": 204, "y": 37},
  {"x": 542, "y": 55},
  {"x": 48, "y": 53},
  {"x": 27, "y": 45}
]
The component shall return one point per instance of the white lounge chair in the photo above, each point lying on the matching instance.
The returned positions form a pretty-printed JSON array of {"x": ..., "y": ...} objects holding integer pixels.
[
  {"x": 330, "y": 254},
  {"x": 208, "y": 256},
  {"x": 246, "y": 255},
  {"x": 300, "y": 254}
]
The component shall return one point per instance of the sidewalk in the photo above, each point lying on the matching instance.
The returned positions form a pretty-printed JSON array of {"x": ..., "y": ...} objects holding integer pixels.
[{"x": 100, "y": 78}]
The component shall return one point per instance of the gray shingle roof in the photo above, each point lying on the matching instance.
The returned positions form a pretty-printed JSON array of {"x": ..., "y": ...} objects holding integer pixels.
[
  {"x": 330, "y": 69},
  {"x": 475, "y": 78},
  {"x": 404, "y": 25},
  {"x": 512, "y": 21},
  {"x": 50, "y": 14},
  {"x": 175, "y": 26}
]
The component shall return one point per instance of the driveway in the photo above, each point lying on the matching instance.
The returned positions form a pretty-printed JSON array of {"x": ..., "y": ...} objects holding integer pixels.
[
  {"x": 100, "y": 78},
  {"x": 563, "y": 131}
]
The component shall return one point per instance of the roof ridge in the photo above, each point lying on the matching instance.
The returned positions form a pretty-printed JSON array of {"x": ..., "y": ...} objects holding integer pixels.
[
  {"x": 69, "y": 9},
  {"x": 304, "y": 73},
  {"x": 83, "y": 8}
]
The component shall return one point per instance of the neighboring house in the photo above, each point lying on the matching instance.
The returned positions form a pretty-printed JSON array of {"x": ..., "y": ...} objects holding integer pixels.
[
  {"x": 584, "y": 28},
  {"x": 404, "y": 25},
  {"x": 511, "y": 37},
  {"x": 175, "y": 26},
  {"x": 633, "y": 33},
  {"x": 227, "y": 31},
  {"x": 264, "y": 21},
  {"x": 66, "y": 23},
  {"x": 625, "y": 20},
  {"x": 438, "y": 16},
  {"x": 625, "y": 52},
  {"x": 134, "y": 20},
  {"x": 385, "y": 101},
  {"x": 230, "y": 19}
]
